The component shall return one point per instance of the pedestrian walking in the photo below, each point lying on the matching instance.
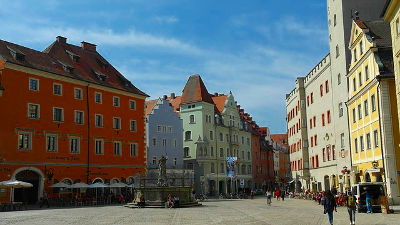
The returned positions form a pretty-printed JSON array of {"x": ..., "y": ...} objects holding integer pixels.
[
  {"x": 283, "y": 192},
  {"x": 252, "y": 193},
  {"x": 368, "y": 201},
  {"x": 351, "y": 207},
  {"x": 45, "y": 200},
  {"x": 277, "y": 194},
  {"x": 329, "y": 206},
  {"x": 269, "y": 196}
]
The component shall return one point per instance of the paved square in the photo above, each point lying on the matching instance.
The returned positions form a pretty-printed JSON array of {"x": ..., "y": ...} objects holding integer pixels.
[{"x": 291, "y": 211}]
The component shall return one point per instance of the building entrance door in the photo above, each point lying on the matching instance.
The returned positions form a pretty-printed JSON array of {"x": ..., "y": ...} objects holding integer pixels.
[{"x": 27, "y": 195}]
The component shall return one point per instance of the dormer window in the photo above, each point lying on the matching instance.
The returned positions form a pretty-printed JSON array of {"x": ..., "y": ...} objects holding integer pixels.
[
  {"x": 73, "y": 56},
  {"x": 100, "y": 76},
  {"x": 67, "y": 68},
  {"x": 102, "y": 63},
  {"x": 16, "y": 54}
]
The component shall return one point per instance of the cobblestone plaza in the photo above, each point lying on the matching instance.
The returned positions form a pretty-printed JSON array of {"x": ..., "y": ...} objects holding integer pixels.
[{"x": 291, "y": 211}]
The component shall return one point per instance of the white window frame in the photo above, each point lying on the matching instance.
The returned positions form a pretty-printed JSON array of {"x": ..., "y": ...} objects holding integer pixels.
[
  {"x": 78, "y": 145},
  {"x": 62, "y": 114},
  {"x": 55, "y": 136},
  {"x": 376, "y": 139},
  {"x": 117, "y": 126},
  {"x": 133, "y": 149},
  {"x": 368, "y": 139},
  {"x": 81, "y": 93},
  {"x": 101, "y": 146},
  {"x": 38, "y": 111},
  {"x": 29, "y": 135},
  {"x": 119, "y": 144},
  {"x": 130, "y": 126},
  {"x": 37, "y": 84},
  {"x": 95, "y": 120},
  {"x": 75, "y": 117},
  {"x": 130, "y": 105},
  {"x": 54, "y": 89},
  {"x": 118, "y": 101},
  {"x": 101, "y": 97},
  {"x": 190, "y": 119}
]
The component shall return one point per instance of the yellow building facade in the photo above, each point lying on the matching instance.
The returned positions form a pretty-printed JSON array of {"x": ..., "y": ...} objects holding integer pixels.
[{"x": 372, "y": 106}]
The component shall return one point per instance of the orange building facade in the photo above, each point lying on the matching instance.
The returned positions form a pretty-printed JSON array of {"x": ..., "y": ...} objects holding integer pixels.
[{"x": 66, "y": 115}]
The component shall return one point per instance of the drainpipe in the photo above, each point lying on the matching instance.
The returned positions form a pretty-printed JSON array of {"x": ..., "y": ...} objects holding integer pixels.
[{"x": 88, "y": 134}]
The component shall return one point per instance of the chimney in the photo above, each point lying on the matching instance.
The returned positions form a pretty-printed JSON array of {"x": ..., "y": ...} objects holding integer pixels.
[
  {"x": 61, "y": 39},
  {"x": 165, "y": 97},
  {"x": 172, "y": 95},
  {"x": 88, "y": 46}
]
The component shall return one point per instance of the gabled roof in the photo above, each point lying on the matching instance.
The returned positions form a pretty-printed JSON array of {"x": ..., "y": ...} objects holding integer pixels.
[
  {"x": 150, "y": 105},
  {"x": 278, "y": 138},
  {"x": 58, "y": 59},
  {"x": 176, "y": 103},
  {"x": 195, "y": 91},
  {"x": 219, "y": 102}
]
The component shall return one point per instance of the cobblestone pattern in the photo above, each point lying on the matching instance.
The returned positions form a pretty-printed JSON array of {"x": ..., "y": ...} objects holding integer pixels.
[{"x": 291, "y": 211}]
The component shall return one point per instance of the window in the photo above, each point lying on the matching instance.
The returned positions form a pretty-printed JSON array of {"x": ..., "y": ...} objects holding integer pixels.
[
  {"x": 98, "y": 97},
  {"x": 154, "y": 160},
  {"x": 77, "y": 93},
  {"x": 312, "y": 141},
  {"x": 362, "y": 143},
  {"x": 99, "y": 120},
  {"x": 334, "y": 20},
  {"x": 333, "y": 152},
  {"x": 33, "y": 111},
  {"x": 337, "y": 51},
  {"x": 133, "y": 149},
  {"x": 221, "y": 152},
  {"x": 354, "y": 115},
  {"x": 175, "y": 161},
  {"x": 25, "y": 141},
  {"x": 312, "y": 97},
  {"x": 175, "y": 143},
  {"x": 57, "y": 89},
  {"x": 221, "y": 137},
  {"x": 361, "y": 48},
  {"x": 328, "y": 115},
  {"x": 341, "y": 109},
  {"x": 78, "y": 117},
  {"x": 117, "y": 148},
  {"x": 315, "y": 140},
  {"x": 339, "y": 79},
  {"x": 186, "y": 152},
  {"x": 116, "y": 123},
  {"x": 211, "y": 135},
  {"x": 356, "y": 145},
  {"x": 74, "y": 145},
  {"x": 355, "y": 54},
  {"x": 328, "y": 153},
  {"x": 222, "y": 168},
  {"x": 33, "y": 84},
  {"x": 360, "y": 79},
  {"x": 316, "y": 161},
  {"x": 397, "y": 27},
  {"x": 248, "y": 155},
  {"x": 212, "y": 151},
  {"x": 321, "y": 90},
  {"x": 308, "y": 100},
  {"x": 314, "y": 118},
  {"x": 376, "y": 138},
  {"x": 323, "y": 119},
  {"x": 212, "y": 168},
  {"x": 99, "y": 147},
  {"x": 158, "y": 128},
  {"x": 164, "y": 142},
  {"x": 51, "y": 143},
  {"x": 323, "y": 155},
  {"x": 132, "y": 125},
  {"x": 342, "y": 140},
  {"x": 366, "y": 73},
  {"x": 248, "y": 141},
  {"x": 373, "y": 105},
  {"x": 326, "y": 86},
  {"x": 154, "y": 141},
  {"x": 368, "y": 141},
  {"x": 359, "y": 112},
  {"x": 132, "y": 104},
  {"x": 191, "y": 119},
  {"x": 58, "y": 114},
  {"x": 366, "y": 107},
  {"x": 310, "y": 123},
  {"x": 116, "y": 101},
  {"x": 188, "y": 135}
]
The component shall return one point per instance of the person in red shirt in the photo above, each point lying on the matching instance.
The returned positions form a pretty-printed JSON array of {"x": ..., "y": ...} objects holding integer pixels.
[{"x": 278, "y": 194}]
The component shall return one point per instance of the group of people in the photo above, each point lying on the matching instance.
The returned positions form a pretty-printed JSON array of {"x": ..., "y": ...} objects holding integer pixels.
[
  {"x": 329, "y": 202},
  {"x": 172, "y": 201},
  {"x": 278, "y": 194}
]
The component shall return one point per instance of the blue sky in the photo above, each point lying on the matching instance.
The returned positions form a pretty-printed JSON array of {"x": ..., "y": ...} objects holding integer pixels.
[{"x": 254, "y": 48}]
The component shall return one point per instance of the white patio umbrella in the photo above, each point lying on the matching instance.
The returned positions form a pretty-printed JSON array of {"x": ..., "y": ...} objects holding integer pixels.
[
  {"x": 98, "y": 185},
  {"x": 15, "y": 184},
  {"x": 79, "y": 185},
  {"x": 60, "y": 185},
  {"x": 118, "y": 185}
]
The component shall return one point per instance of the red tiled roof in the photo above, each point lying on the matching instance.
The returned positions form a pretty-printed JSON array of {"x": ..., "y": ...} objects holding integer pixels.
[
  {"x": 58, "y": 56},
  {"x": 219, "y": 102},
  {"x": 195, "y": 91},
  {"x": 361, "y": 24},
  {"x": 278, "y": 138},
  {"x": 176, "y": 103},
  {"x": 150, "y": 105}
]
